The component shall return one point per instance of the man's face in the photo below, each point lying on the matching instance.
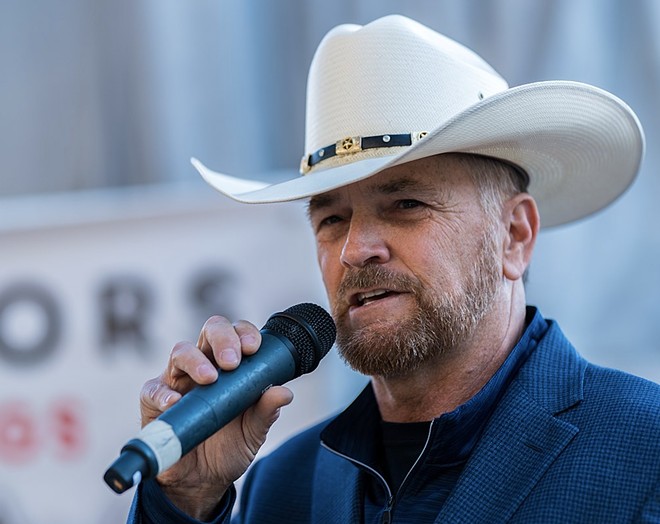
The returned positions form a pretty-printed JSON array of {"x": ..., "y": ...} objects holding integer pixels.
[{"x": 410, "y": 262}]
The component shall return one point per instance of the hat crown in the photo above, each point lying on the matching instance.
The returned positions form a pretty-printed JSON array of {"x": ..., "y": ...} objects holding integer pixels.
[
  {"x": 394, "y": 91},
  {"x": 393, "y": 75}
]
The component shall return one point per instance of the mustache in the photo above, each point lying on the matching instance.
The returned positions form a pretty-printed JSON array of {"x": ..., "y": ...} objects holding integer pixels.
[{"x": 373, "y": 276}]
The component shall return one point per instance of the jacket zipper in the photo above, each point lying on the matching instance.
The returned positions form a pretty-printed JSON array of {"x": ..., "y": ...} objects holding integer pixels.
[
  {"x": 387, "y": 515},
  {"x": 387, "y": 511}
]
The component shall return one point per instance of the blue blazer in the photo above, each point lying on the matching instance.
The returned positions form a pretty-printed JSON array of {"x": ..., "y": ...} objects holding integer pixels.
[{"x": 570, "y": 442}]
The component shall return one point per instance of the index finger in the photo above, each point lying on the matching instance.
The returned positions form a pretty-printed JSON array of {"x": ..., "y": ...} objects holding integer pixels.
[{"x": 220, "y": 339}]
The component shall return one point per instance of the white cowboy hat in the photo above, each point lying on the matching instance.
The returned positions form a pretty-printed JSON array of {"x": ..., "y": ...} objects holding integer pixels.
[{"x": 394, "y": 91}]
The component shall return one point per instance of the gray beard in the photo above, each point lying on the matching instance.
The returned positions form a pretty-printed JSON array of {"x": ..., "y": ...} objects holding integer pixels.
[{"x": 439, "y": 325}]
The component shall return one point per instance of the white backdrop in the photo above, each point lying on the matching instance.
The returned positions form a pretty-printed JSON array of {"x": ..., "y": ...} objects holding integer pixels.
[{"x": 95, "y": 289}]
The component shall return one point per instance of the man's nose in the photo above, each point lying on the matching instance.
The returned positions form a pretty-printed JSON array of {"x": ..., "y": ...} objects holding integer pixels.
[{"x": 365, "y": 243}]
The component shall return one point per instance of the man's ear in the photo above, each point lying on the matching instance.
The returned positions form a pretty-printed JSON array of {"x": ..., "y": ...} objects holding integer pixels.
[{"x": 522, "y": 222}]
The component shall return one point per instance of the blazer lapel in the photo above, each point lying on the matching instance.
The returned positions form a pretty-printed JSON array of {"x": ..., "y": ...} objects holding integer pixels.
[
  {"x": 523, "y": 437},
  {"x": 515, "y": 451}
]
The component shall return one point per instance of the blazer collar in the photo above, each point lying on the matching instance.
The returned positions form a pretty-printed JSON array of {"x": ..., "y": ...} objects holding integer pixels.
[
  {"x": 523, "y": 437},
  {"x": 554, "y": 376}
]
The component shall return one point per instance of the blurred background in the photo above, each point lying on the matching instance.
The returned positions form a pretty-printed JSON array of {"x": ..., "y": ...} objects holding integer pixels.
[{"x": 113, "y": 249}]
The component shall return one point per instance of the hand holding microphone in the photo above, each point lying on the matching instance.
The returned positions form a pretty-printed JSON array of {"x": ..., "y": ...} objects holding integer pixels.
[{"x": 180, "y": 441}]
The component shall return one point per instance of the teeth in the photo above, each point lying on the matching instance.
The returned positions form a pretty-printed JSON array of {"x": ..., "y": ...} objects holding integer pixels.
[{"x": 362, "y": 297}]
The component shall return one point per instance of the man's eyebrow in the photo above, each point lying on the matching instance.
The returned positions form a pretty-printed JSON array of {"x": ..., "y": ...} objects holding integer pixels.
[
  {"x": 390, "y": 187},
  {"x": 399, "y": 185},
  {"x": 320, "y": 201}
]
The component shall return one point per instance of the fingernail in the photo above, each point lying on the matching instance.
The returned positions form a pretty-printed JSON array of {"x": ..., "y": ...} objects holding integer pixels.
[
  {"x": 249, "y": 339},
  {"x": 206, "y": 370},
  {"x": 228, "y": 356}
]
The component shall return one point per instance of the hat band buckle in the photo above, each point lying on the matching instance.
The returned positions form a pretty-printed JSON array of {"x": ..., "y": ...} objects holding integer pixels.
[{"x": 354, "y": 144}]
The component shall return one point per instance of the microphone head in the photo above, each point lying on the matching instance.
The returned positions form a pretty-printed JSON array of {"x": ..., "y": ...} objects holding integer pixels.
[{"x": 309, "y": 328}]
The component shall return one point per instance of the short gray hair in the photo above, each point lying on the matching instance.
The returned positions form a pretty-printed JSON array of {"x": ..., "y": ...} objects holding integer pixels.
[{"x": 495, "y": 179}]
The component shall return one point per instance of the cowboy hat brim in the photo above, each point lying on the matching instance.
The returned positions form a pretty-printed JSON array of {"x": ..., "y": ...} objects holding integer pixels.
[{"x": 580, "y": 145}]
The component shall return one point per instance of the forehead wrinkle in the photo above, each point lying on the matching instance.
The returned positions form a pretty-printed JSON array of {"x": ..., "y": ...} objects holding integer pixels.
[
  {"x": 399, "y": 184},
  {"x": 389, "y": 187}
]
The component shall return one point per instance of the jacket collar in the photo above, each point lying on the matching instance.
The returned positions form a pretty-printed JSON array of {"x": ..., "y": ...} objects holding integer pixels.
[
  {"x": 524, "y": 436},
  {"x": 519, "y": 443},
  {"x": 455, "y": 433}
]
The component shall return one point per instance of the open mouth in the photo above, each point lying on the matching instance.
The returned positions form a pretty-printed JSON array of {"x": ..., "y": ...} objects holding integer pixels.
[{"x": 361, "y": 299}]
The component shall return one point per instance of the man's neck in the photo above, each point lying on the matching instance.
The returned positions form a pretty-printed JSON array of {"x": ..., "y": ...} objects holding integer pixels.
[{"x": 440, "y": 386}]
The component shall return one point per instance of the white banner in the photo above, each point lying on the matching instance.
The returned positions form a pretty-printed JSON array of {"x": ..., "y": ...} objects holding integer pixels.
[{"x": 95, "y": 289}]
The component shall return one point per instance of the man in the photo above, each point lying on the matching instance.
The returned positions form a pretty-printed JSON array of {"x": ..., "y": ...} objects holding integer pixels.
[{"x": 428, "y": 178}]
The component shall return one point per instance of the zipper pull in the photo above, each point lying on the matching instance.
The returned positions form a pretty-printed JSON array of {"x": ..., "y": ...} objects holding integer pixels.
[{"x": 387, "y": 514}]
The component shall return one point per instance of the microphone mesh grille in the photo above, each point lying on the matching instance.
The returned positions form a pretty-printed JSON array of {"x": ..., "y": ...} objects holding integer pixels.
[{"x": 310, "y": 329}]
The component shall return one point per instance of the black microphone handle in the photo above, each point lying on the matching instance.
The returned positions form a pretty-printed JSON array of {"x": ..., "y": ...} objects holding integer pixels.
[{"x": 203, "y": 411}]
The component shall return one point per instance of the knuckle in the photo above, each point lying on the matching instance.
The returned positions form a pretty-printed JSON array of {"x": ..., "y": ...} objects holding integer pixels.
[
  {"x": 150, "y": 390},
  {"x": 244, "y": 325},
  {"x": 220, "y": 332},
  {"x": 216, "y": 321},
  {"x": 178, "y": 348},
  {"x": 181, "y": 352}
]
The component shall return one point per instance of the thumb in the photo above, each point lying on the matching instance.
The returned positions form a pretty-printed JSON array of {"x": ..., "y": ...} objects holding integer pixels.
[{"x": 258, "y": 420}]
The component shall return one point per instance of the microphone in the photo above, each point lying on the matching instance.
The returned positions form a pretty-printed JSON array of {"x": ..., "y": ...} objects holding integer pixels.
[{"x": 293, "y": 343}]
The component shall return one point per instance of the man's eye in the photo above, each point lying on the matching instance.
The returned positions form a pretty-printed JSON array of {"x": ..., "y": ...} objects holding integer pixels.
[
  {"x": 328, "y": 221},
  {"x": 408, "y": 204}
]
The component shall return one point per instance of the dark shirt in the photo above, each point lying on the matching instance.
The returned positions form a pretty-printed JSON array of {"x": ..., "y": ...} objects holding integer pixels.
[{"x": 402, "y": 445}]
